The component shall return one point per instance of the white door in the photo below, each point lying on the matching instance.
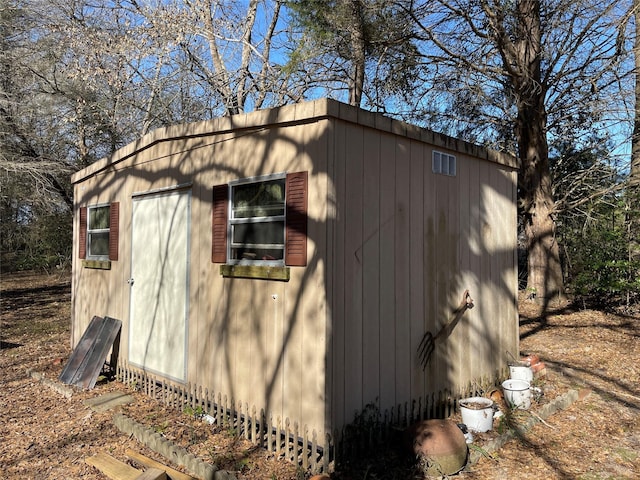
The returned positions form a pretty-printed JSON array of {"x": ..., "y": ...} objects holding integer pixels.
[{"x": 159, "y": 283}]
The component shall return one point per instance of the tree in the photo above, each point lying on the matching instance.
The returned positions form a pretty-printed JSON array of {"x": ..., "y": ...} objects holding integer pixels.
[
  {"x": 634, "y": 169},
  {"x": 365, "y": 47},
  {"x": 540, "y": 67}
]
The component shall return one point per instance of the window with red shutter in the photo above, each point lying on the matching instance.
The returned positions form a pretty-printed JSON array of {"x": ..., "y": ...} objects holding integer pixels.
[
  {"x": 99, "y": 232},
  {"x": 219, "y": 223},
  {"x": 114, "y": 230},
  {"x": 82, "y": 233},
  {"x": 296, "y": 220},
  {"x": 261, "y": 221}
]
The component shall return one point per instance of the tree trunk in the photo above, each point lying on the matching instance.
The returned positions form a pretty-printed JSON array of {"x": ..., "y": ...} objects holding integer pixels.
[
  {"x": 356, "y": 82},
  {"x": 544, "y": 278},
  {"x": 544, "y": 272},
  {"x": 634, "y": 174}
]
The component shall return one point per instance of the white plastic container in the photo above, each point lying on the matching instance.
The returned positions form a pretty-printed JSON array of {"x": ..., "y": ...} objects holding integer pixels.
[
  {"x": 517, "y": 393},
  {"x": 477, "y": 413},
  {"x": 520, "y": 371}
]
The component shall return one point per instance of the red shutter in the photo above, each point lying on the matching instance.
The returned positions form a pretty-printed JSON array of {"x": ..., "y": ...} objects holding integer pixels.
[
  {"x": 296, "y": 218},
  {"x": 219, "y": 224},
  {"x": 114, "y": 230},
  {"x": 82, "y": 233}
]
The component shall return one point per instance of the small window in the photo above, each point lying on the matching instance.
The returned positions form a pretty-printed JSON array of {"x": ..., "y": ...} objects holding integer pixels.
[
  {"x": 98, "y": 233},
  {"x": 261, "y": 221},
  {"x": 257, "y": 220},
  {"x": 444, "y": 164}
]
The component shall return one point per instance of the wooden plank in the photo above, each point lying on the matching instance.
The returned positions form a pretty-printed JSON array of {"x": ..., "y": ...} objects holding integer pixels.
[
  {"x": 150, "y": 463},
  {"x": 95, "y": 360},
  {"x": 112, "y": 468},
  {"x": 153, "y": 474},
  {"x": 81, "y": 350},
  {"x": 89, "y": 356}
]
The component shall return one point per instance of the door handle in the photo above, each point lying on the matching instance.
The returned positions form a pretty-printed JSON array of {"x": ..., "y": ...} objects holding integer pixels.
[{"x": 130, "y": 281}]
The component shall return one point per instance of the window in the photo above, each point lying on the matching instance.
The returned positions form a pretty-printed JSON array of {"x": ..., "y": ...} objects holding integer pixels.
[
  {"x": 444, "y": 164},
  {"x": 256, "y": 220},
  {"x": 261, "y": 221},
  {"x": 99, "y": 232}
]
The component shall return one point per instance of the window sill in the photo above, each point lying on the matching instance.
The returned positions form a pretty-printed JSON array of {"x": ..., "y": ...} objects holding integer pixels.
[
  {"x": 97, "y": 264},
  {"x": 255, "y": 271}
]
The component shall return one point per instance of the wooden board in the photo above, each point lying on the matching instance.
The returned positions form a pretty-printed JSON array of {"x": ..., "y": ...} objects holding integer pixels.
[
  {"x": 150, "y": 463},
  {"x": 88, "y": 358},
  {"x": 112, "y": 468},
  {"x": 153, "y": 474}
]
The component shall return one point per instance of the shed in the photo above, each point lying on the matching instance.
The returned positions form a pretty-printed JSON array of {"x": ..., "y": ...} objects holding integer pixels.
[{"x": 293, "y": 258}]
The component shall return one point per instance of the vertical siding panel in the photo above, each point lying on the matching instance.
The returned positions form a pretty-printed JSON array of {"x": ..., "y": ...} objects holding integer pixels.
[
  {"x": 402, "y": 267},
  {"x": 416, "y": 265},
  {"x": 473, "y": 244},
  {"x": 455, "y": 345},
  {"x": 430, "y": 255},
  {"x": 339, "y": 287},
  {"x": 486, "y": 331},
  {"x": 313, "y": 314},
  {"x": 370, "y": 255},
  {"x": 287, "y": 143},
  {"x": 512, "y": 260},
  {"x": 353, "y": 270},
  {"x": 504, "y": 276},
  {"x": 467, "y": 281},
  {"x": 386, "y": 291},
  {"x": 328, "y": 147},
  {"x": 442, "y": 245},
  {"x": 492, "y": 245}
]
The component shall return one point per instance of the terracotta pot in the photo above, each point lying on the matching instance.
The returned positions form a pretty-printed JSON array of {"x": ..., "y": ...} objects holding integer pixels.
[
  {"x": 439, "y": 445},
  {"x": 538, "y": 367},
  {"x": 531, "y": 359}
]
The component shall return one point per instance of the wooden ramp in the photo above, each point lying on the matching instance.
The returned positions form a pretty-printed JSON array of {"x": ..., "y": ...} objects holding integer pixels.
[
  {"x": 88, "y": 358},
  {"x": 117, "y": 470}
]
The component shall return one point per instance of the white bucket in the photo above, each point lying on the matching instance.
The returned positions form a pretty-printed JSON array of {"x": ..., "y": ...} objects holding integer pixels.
[
  {"x": 521, "y": 372},
  {"x": 517, "y": 393},
  {"x": 477, "y": 413}
]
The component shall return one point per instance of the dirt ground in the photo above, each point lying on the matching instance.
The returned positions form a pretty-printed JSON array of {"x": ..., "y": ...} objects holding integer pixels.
[{"x": 44, "y": 435}]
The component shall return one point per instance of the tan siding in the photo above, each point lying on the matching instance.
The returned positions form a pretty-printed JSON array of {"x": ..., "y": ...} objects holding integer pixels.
[
  {"x": 326, "y": 146},
  {"x": 386, "y": 289},
  {"x": 353, "y": 270},
  {"x": 416, "y": 263},
  {"x": 313, "y": 316},
  {"x": 487, "y": 328},
  {"x": 370, "y": 257},
  {"x": 468, "y": 279},
  {"x": 456, "y": 342},
  {"x": 339, "y": 287},
  {"x": 430, "y": 255},
  {"x": 403, "y": 352}
]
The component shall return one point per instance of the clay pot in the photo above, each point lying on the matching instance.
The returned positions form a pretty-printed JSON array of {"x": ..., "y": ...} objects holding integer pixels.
[
  {"x": 531, "y": 360},
  {"x": 439, "y": 445},
  {"x": 538, "y": 368}
]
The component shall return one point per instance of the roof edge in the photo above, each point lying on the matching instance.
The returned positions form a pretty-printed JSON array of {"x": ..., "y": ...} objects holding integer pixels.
[{"x": 291, "y": 114}]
